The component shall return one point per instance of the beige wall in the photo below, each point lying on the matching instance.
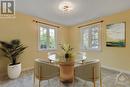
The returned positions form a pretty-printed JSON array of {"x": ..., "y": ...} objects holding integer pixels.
[
  {"x": 115, "y": 57},
  {"x": 24, "y": 29}
]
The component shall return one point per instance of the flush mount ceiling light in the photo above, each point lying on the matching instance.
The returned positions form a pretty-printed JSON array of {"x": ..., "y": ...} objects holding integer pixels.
[{"x": 66, "y": 6}]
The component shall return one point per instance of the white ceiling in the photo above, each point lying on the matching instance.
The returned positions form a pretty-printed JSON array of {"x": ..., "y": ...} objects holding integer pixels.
[{"x": 84, "y": 9}]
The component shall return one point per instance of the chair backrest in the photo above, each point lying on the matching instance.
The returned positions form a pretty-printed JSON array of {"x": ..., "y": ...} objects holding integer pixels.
[
  {"x": 88, "y": 71},
  {"x": 44, "y": 70}
]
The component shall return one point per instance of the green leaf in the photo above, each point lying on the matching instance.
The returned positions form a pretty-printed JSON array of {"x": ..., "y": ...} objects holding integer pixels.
[{"x": 12, "y": 50}]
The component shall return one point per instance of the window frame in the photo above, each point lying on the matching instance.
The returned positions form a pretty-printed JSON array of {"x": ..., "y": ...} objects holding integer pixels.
[
  {"x": 39, "y": 44},
  {"x": 90, "y": 37}
]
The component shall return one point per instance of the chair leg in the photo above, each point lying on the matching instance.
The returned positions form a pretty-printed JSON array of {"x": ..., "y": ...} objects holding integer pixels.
[
  {"x": 85, "y": 84},
  {"x": 60, "y": 83},
  {"x": 100, "y": 79},
  {"x": 100, "y": 82},
  {"x": 94, "y": 83},
  {"x": 34, "y": 80},
  {"x": 49, "y": 85},
  {"x": 39, "y": 83},
  {"x": 94, "y": 77},
  {"x": 73, "y": 83}
]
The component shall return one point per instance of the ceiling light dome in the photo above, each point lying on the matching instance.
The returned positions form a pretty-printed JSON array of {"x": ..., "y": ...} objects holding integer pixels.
[{"x": 66, "y": 6}]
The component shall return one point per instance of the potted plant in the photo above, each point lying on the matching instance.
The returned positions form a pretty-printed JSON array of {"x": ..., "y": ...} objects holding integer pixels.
[
  {"x": 67, "y": 66},
  {"x": 12, "y": 50},
  {"x": 68, "y": 52}
]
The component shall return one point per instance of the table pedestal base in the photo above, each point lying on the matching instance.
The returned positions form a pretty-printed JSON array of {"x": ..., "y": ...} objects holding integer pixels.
[{"x": 67, "y": 72}]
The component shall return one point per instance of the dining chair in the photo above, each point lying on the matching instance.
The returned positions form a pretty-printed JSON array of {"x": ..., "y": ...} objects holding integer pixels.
[
  {"x": 89, "y": 71},
  {"x": 44, "y": 71}
]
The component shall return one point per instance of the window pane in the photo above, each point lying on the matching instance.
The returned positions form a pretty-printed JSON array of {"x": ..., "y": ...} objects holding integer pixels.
[
  {"x": 85, "y": 39},
  {"x": 95, "y": 37},
  {"x": 95, "y": 44},
  {"x": 43, "y": 38},
  {"x": 52, "y": 39}
]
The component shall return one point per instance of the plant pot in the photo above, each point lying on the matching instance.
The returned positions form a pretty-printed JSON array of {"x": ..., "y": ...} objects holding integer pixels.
[
  {"x": 67, "y": 71},
  {"x": 14, "y": 71}
]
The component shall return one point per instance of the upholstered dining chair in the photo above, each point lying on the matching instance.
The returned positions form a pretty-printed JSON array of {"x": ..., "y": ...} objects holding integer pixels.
[
  {"x": 44, "y": 71},
  {"x": 89, "y": 71}
]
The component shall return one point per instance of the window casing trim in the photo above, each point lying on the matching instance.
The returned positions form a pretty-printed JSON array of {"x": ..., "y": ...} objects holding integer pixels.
[{"x": 90, "y": 36}]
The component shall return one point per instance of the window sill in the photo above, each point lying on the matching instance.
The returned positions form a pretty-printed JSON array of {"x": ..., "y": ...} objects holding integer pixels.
[
  {"x": 47, "y": 49},
  {"x": 94, "y": 50}
]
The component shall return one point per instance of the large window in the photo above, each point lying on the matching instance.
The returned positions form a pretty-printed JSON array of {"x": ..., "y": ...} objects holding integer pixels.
[
  {"x": 47, "y": 38},
  {"x": 91, "y": 37}
]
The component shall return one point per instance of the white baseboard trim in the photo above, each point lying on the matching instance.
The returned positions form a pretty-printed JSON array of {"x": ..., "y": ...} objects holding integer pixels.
[{"x": 115, "y": 69}]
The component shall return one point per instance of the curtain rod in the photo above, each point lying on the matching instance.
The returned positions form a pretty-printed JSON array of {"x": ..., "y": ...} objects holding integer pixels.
[
  {"x": 91, "y": 24},
  {"x": 46, "y": 23}
]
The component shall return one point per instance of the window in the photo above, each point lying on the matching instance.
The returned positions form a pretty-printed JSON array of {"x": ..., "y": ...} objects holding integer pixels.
[
  {"x": 47, "y": 38},
  {"x": 91, "y": 37}
]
